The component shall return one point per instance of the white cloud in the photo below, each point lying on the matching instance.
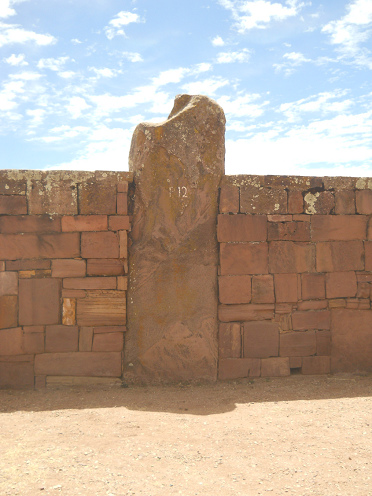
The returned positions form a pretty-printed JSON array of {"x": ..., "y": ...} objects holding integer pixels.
[
  {"x": 203, "y": 67},
  {"x": 218, "y": 41},
  {"x": 260, "y": 13},
  {"x": 170, "y": 76},
  {"x": 76, "y": 41},
  {"x": 242, "y": 106},
  {"x": 54, "y": 64},
  {"x": 228, "y": 57},
  {"x": 37, "y": 116},
  {"x": 16, "y": 60},
  {"x": 133, "y": 56},
  {"x": 205, "y": 87},
  {"x": 123, "y": 18},
  {"x": 105, "y": 72},
  {"x": 6, "y": 9},
  {"x": 13, "y": 33},
  {"x": 76, "y": 106},
  {"x": 291, "y": 61}
]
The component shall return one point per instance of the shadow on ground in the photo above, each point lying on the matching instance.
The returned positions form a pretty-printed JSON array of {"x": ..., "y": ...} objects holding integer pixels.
[{"x": 202, "y": 399}]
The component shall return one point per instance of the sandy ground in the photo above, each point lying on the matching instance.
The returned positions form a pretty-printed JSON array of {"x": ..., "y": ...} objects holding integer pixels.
[{"x": 293, "y": 436}]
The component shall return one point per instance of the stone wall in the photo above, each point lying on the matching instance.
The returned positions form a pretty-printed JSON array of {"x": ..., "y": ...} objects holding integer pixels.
[
  {"x": 295, "y": 276},
  {"x": 63, "y": 275}
]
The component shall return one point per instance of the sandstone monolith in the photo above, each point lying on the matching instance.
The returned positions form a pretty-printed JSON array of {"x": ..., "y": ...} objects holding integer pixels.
[{"x": 172, "y": 294}]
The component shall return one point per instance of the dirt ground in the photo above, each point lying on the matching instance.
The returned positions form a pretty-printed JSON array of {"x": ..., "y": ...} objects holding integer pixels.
[{"x": 294, "y": 436}]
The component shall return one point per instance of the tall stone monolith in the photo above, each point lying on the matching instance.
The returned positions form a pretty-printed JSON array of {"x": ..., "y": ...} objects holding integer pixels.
[{"x": 172, "y": 294}]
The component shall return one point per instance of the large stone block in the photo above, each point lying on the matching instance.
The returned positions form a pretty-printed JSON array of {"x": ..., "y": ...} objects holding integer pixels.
[
  {"x": 364, "y": 202},
  {"x": 68, "y": 268},
  {"x": 29, "y": 224},
  {"x": 351, "y": 340},
  {"x": 298, "y": 344},
  {"x": 108, "y": 341},
  {"x": 341, "y": 284},
  {"x": 259, "y": 200},
  {"x": 339, "y": 256},
  {"x": 104, "y": 267},
  {"x": 316, "y": 365},
  {"x": 261, "y": 339},
  {"x": 11, "y": 341},
  {"x": 275, "y": 367},
  {"x": 338, "y": 227},
  {"x": 232, "y": 228},
  {"x": 229, "y": 340},
  {"x": 8, "y": 311},
  {"x": 313, "y": 286},
  {"x": 345, "y": 202},
  {"x": 28, "y": 264},
  {"x": 33, "y": 342},
  {"x": 263, "y": 289},
  {"x": 17, "y": 372},
  {"x": 39, "y": 301},
  {"x": 323, "y": 342},
  {"x": 84, "y": 223},
  {"x": 52, "y": 194},
  {"x": 99, "y": 245},
  {"x": 289, "y": 256},
  {"x": 19, "y": 246},
  {"x": 235, "y": 289},
  {"x": 8, "y": 283},
  {"x": 101, "y": 310},
  {"x": 82, "y": 364},
  {"x": 322, "y": 202},
  {"x": 289, "y": 231},
  {"x": 303, "y": 321},
  {"x": 229, "y": 199},
  {"x": 236, "y": 313},
  {"x": 61, "y": 338},
  {"x": 286, "y": 288},
  {"x": 243, "y": 258},
  {"x": 13, "y": 205},
  {"x": 238, "y": 368},
  {"x": 97, "y": 197},
  {"x": 90, "y": 283}
]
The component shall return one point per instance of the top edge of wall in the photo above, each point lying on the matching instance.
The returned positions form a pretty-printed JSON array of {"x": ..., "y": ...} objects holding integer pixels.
[{"x": 73, "y": 176}]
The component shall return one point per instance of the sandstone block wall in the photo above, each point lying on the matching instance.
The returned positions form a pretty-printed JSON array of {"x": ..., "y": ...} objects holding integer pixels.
[
  {"x": 63, "y": 275},
  {"x": 295, "y": 276}
]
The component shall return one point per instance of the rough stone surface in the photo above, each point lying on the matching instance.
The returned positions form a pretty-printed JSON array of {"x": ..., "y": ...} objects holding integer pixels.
[
  {"x": 241, "y": 228},
  {"x": 238, "y": 368},
  {"x": 288, "y": 256},
  {"x": 235, "y": 289},
  {"x": 243, "y": 258},
  {"x": 83, "y": 364},
  {"x": 102, "y": 309},
  {"x": 339, "y": 256},
  {"x": 8, "y": 283},
  {"x": 172, "y": 310},
  {"x": 261, "y": 339},
  {"x": 235, "y": 313},
  {"x": 275, "y": 367},
  {"x": 229, "y": 340},
  {"x": 298, "y": 344},
  {"x": 8, "y": 311},
  {"x": 39, "y": 301},
  {"x": 61, "y": 338}
]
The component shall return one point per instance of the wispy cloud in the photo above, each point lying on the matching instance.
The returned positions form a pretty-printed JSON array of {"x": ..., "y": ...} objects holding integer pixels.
[
  {"x": 132, "y": 56},
  {"x": 292, "y": 60},
  {"x": 6, "y": 9},
  {"x": 115, "y": 26},
  {"x": 16, "y": 60},
  {"x": 11, "y": 34},
  {"x": 218, "y": 41},
  {"x": 229, "y": 57}
]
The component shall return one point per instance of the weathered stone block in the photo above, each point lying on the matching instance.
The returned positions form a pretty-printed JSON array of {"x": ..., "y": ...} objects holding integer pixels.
[
  {"x": 69, "y": 311},
  {"x": 368, "y": 255},
  {"x": 90, "y": 283},
  {"x": 99, "y": 245},
  {"x": 39, "y": 301},
  {"x": 122, "y": 203},
  {"x": 122, "y": 186},
  {"x": 27, "y": 264},
  {"x": 364, "y": 202},
  {"x": 313, "y": 286},
  {"x": 341, "y": 284},
  {"x": 33, "y": 342},
  {"x": 8, "y": 312},
  {"x": 14, "y": 224},
  {"x": 322, "y": 202},
  {"x": 286, "y": 288},
  {"x": 295, "y": 202},
  {"x": 17, "y": 372},
  {"x": 108, "y": 309},
  {"x": 243, "y": 258},
  {"x": 63, "y": 245},
  {"x": 61, "y": 338},
  {"x": 263, "y": 289},
  {"x": 259, "y": 200},
  {"x": 10, "y": 186},
  {"x": 97, "y": 197},
  {"x": 8, "y": 283},
  {"x": 108, "y": 341},
  {"x": 119, "y": 223},
  {"x": 123, "y": 244},
  {"x": 84, "y": 223},
  {"x": 105, "y": 267},
  {"x": 289, "y": 231},
  {"x": 52, "y": 195},
  {"x": 236, "y": 313},
  {"x": 235, "y": 289},
  {"x": 275, "y": 367},
  {"x": 303, "y": 321},
  {"x": 339, "y": 256},
  {"x": 345, "y": 202},
  {"x": 295, "y": 362},
  {"x": 323, "y": 342},
  {"x": 13, "y": 205},
  {"x": 338, "y": 227},
  {"x": 232, "y": 228},
  {"x": 238, "y": 368},
  {"x": 289, "y": 256},
  {"x": 229, "y": 199},
  {"x": 298, "y": 344},
  {"x": 316, "y": 365},
  {"x": 68, "y": 268},
  {"x": 312, "y": 305},
  {"x": 260, "y": 339},
  {"x": 11, "y": 341},
  {"x": 229, "y": 341},
  {"x": 86, "y": 339},
  {"x": 83, "y": 364}
]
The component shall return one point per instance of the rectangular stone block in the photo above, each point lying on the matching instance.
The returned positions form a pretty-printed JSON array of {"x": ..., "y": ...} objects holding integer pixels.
[
  {"x": 61, "y": 338},
  {"x": 338, "y": 227},
  {"x": 99, "y": 245},
  {"x": 295, "y": 362},
  {"x": 286, "y": 289},
  {"x": 28, "y": 264},
  {"x": 68, "y": 268},
  {"x": 11, "y": 341},
  {"x": 119, "y": 223},
  {"x": 73, "y": 293},
  {"x": 86, "y": 364},
  {"x": 313, "y": 286},
  {"x": 364, "y": 202},
  {"x": 8, "y": 283},
  {"x": 8, "y": 312},
  {"x": 289, "y": 231},
  {"x": 302, "y": 321},
  {"x": 122, "y": 186},
  {"x": 323, "y": 342},
  {"x": 13, "y": 205},
  {"x": 33, "y": 342},
  {"x": 316, "y": 365},
  {"x": 63, "y": 245},
  {"x": 236, "y": 313},
  {"x": 33, "y": 329},
  {"x": 322, "y": 202},
  {"x": 86, "y": 339},
  {"x": 10, "y": 186},
  {"x": 341, "y": 284},
  {"x": 68, "y": 311},
  {"x": 364, "y": 290},
  {"x": 243, "y": 258},
  {"x": 345, "y": 202},
  {"x": 295, "y": 202},
  {"x": 229, "y": 341},
  {"x": 236, "y": 228},
  {"x": 105, "y": 267},
  {"x": 123, "y": 244},
  {"x": 97, "y": 197},
  {"x": 289, "y": 256},
  {"x": 122, "y": 203},
  {"x": 14, "y": 224},
  {"x": 47, "y": 195},
  {"x": 339, "y": 256},
  {"x": 275, "y": 367},
  {"x": 84, "y": 223},
  {"x": 111, "y": 328},
  {"x": 108, "y": 341},
  {"x": 39, "y": 301},
  {"x": 122, "y": 283},
  {"x": 238, "y": 368},
  {"x": 260, "y": 339},
  {"x": 280, "y": 218},
  {"x": 368, "y": 255},
  {"x": 261, "y": 200},
  {"x": 263, "y": 289},
  {"x": 17, "y": 374},
  {"x": 298, "y": 344},
  {"x": 312, "y": 305},
  {"x": 235, "y": 289},
  {"x": 90, "y": 283},
  {"x": 102, "y": 310},
  {"x": 229, "y": 199}
]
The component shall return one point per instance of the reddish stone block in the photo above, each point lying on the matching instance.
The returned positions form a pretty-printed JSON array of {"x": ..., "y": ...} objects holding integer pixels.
[
  {"x": 289, "y": 231},
  {"x": 238, "y": 368},
  {"x": 303, "y": 321},
  {"x": 11, "y": 341},
  {"x": 86, "y": 339},
  {"x": 33, "y": 329},
  {"x": 313, "y": 286},
  {"x": 229, "y": 341},
  {"x": 341, "y": 284},
  {"x": 123, "y": 244},
  {"x": 99, "y": 245},
  {"x": 280, "y": 218},
  {"x": 339, "y": 256},
  {"x": 236, "y": 313},
  {"x": 323, "y": 342},
  {"x": 338, "y": 227},
  {"x": 345, "y": 202},
  {"x": 229, "y": 199},
  {"x": 368, "y": 255},
  {"x": 73, "y": 293},
  {"x": 232, "y": 228},
  {"x": 263, "y": 289},
  {"x": 119, "y": 223},
  {"x": 122, "y": 283},
  {"x": 8, "y": 283},
  {"x": 29, "y": 224},
  {"x": 282, "y": 308},
  {"x": 122, "y": 203},
  {"x": 109, "y": 341},
  {"x": 295, "y": 202},
  {"x": 15, "y": 246},
  {"x": 288, "y": 257},
  {"x": 364, "y": 290},
  {"x": 260, "y": 339},
  {"x": 97, "y": 197},
  {"x": 319, "y": 203},
  {"x": 302, "y": 218},
  {"x": 122, "y": 187},
  {"x": 316, "y": 365},
  {"x": 27, "y": 264},
  {"x": 295, "y": 362},
  {"x": 243, "y": 258},
  {"x": 81, "y": 364},
  {"x": 235, "y": 289},
  {"x": 39, "y": 301},
  {"x": 286, "y": 288},
  {"x": 48, "y": 196},
  {"x": 275, "y": 367},
  {"x": 9, "y": 186},
  {"x": 261, "y": 200},
  {"x": 102, "y": 310},
  {"x": 90, "y": 283},
  {"x": 111, "y": 328},
  {"x": 312, "y": 305},
  {"x": 17, "y": 373},
  {"x": 364, "y": 202},
  {"x": 68, "y": 268},
  {"x": 339, "y": 303},
  {"x": 61, "y": 338},
  {"x": 33, "y": 342},
  {"x": 13, "y": 205},
  {"x": 8, "y": 312},
  {"x": 298, "y": 344},
  {"x": 105, "y": 267},
  {"x": 84, "y": 223}
]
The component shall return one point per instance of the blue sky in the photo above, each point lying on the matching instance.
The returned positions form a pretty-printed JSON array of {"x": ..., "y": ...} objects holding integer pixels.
[{"x": 293, "y": 77}]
